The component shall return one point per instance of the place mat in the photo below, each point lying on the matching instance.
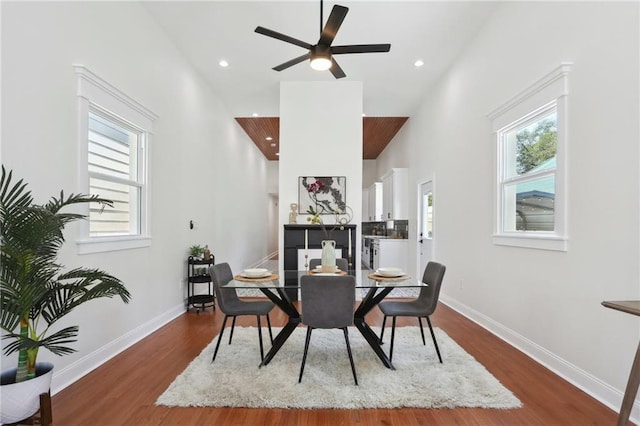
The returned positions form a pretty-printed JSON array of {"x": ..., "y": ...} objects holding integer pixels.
[
  {"x": 392, "y": 279},
  {"x": 271, "y": 277},
  {"x": 338, "y": 272}
]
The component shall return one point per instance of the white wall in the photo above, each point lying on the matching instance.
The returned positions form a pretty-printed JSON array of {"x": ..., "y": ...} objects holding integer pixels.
[
  {"x": 546, "y": 302},
  {"x": 369, "y": 173},
  {"x": 320, "y": 137},
  {"x": 202, "y": 163},
  {"x": 397, "y": 153},
  {"x": 273, "y": 171}
]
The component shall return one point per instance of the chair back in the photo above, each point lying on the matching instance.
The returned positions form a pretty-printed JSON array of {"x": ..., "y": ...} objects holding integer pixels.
[
  {"x": 327, "y": 301},
  {"x": 433, "y": 276},
  {"x": 342, "y": 264},
  {"x": 220, "y": 275}
]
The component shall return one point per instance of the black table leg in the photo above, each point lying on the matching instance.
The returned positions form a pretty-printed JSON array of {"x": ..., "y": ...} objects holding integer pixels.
[
  {"x": 283, "y": 302},
  {"x": 369, "y": 302}
]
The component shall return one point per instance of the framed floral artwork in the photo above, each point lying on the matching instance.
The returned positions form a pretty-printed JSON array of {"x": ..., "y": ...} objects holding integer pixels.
[{"x": 323, "y": 195}]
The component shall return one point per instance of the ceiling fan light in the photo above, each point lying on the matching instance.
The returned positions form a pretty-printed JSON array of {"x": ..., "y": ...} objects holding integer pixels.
[
  {"x": 320, "y": 57},
  {"x": 320, "y": 63}
]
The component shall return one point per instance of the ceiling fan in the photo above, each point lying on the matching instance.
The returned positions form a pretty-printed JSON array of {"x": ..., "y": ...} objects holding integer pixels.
[{"x": 321, "y": 54}]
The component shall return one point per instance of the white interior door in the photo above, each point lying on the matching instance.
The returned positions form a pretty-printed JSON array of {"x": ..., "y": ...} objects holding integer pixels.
[{"x": 425, "y": 225}]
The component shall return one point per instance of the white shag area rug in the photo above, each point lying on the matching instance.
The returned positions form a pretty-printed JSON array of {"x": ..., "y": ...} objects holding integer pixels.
[{"x": 234, "y": 379}]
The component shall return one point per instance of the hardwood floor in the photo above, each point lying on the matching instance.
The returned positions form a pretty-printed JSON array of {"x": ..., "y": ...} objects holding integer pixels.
[{"x": 123, "y": 391}]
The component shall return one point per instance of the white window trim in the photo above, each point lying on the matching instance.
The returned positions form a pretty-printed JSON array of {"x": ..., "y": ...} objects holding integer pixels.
[
  {"x": 94, "y": 92},
  {"x": 552, "y": 88}
]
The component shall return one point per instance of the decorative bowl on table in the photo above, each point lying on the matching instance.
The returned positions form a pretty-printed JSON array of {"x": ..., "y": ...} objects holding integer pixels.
[
  {"x": 389, "y": 272},
  {"x": 256, "y": 273}
]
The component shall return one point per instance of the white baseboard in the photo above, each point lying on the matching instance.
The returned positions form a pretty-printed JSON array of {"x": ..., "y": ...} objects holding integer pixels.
[
  {"x": 75, "y": 371},
  {"x": 593, "y": 386}
]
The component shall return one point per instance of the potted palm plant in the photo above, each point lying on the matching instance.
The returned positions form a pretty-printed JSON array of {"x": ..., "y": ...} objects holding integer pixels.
[{"x": 35, "y": 292}]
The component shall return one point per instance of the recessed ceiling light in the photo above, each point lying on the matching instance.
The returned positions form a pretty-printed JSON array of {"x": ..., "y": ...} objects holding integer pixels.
[
  {"x": 419, "y": 63},
  {"x": 273, "y": 145},
  {"x": 255, "y": 114},
  {"x": 223, "y": 63},
  {"x": 269, "y": 138}
]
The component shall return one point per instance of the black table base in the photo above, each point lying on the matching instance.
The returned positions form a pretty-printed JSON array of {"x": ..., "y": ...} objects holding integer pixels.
[
  {"x": 282, "y": 300},
  {"x": 284, "y": 303},
  {"x": 371, "y": 300}
]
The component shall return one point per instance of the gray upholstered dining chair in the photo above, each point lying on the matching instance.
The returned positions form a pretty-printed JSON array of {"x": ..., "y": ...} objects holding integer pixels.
[
  {"x": 341, "y": 263},
  {"x": 421, "y": 307},
  {"x": 231, "y": 305},
  {"x": 327, "y": 302}
]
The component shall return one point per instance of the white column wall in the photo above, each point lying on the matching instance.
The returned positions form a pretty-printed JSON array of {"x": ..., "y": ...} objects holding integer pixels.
[
  {"x": 202, "y": 163},
  {"x": 320, "y": 135},
  {"x": 545, "y": 302},
  {"x": 397, "y": 154}
]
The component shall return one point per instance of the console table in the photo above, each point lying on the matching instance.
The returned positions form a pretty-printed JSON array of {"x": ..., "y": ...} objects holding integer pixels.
[
  {"x": 631, "y": 307},
  {"x": 294, "y": 240}
]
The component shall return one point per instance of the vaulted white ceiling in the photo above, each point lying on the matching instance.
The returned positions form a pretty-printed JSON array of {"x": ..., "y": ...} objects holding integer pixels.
[{"x": 208, "y": 31}]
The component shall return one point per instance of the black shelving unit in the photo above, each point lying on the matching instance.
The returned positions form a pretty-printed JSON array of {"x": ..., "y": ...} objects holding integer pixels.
[
  {"x": 196, "y": 274},
  {"x": 294, "y": 241}
]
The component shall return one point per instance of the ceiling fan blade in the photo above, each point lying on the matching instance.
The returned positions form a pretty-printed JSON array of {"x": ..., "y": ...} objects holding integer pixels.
[
  {"x": 292, "y": 62},
  {"x": 360, "y": 48},
  {"x": 283, "y": 37},
  {"x": 336, "y": 70},
  {"x": 333, "y": 24}
]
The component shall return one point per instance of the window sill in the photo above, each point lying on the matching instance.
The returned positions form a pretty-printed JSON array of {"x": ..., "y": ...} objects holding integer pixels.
[
  {"x": 540, "y": 242},
  {"x": 104, "y": 244}
]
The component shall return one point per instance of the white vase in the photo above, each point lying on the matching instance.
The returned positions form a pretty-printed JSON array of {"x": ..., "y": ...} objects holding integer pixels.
[
  {"x": 19, "y": 401},
  {"x": 328, "y": 261}
]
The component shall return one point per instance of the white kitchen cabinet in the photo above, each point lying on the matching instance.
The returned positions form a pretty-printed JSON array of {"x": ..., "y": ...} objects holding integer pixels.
[
  {"x": 395, "y": 195},
  {"x": 365, "y": 205},
  {"x": 390, "y": 252},
  {"x": 374, "y": 210}
]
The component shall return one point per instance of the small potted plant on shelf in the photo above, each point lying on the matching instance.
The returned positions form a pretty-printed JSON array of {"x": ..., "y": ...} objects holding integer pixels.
[
  {"x": 35, "y": 292},
  {"x": 196, "y": 251}
]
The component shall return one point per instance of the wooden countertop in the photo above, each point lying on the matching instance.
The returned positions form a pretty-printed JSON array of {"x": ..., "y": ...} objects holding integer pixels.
[{"x": 628, "y": 306}]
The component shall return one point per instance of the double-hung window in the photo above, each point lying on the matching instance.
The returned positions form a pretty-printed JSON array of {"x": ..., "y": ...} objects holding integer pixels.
[
  {"x": 114, "y": 138},
  {"x": 531, "y": 146},
  {"x": 116, "y": 165}
]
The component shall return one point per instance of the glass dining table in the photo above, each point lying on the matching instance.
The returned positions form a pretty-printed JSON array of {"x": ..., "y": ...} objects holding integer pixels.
[{"x": 376, "y": 288}]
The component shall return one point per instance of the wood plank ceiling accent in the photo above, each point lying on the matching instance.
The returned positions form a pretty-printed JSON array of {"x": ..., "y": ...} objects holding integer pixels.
[{"x": 377, "y": 132}]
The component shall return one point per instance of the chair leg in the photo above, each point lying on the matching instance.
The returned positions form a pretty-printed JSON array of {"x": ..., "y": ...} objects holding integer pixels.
[
  {"x": 304, "y": 356},
  {"x": 422, "y": 331},
  {"x": 433, "y": 336},
  {"x": 384, "y": 322},
  {"x": 270, "y": 333},
  {"x": 393, "y": 336},
  {"x": 233, "y": 325},
  {"x": 353, "y": 367},
  {"x": 224, "y": 322},
  {"x": 260, "y": 337}
]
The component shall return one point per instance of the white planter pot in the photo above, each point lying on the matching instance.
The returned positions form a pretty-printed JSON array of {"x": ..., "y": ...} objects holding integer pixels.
[{"x": 19, "y": 401}]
